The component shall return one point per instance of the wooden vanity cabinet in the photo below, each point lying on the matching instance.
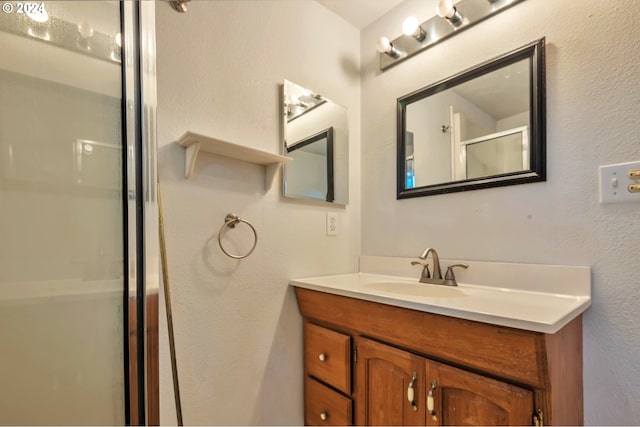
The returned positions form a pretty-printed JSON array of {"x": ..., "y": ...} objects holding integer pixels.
[{"x": 477, "y": 373}]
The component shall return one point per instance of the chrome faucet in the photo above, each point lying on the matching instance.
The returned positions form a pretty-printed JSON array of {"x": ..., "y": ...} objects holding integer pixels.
[{"x": 436, "y": 278}]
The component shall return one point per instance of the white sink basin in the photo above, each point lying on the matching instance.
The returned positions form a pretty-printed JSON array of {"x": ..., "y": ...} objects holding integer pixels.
[
  {"x": 522, "y": 296},
  {"x": 417, "y": 289}
]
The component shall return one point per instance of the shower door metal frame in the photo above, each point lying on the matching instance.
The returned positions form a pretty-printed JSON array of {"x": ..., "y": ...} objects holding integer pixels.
[{"x": 140, "y": 207}]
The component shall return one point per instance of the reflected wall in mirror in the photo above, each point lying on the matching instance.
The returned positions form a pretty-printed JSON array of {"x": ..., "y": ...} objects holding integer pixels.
[
  {"x": 316, "y": 137},
  {"x": 482, "y": 128}
]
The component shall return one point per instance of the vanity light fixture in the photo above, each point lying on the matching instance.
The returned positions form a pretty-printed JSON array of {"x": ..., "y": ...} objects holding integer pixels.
[
  {"x": 418, "y": 36},
  {"x": 411, "y": 27},
  {"x": 448, "y": 11},
  {"x": 40, "y": 23},
  {"x": 299, "y": 102},
  {"x": 386, "y": 47}
]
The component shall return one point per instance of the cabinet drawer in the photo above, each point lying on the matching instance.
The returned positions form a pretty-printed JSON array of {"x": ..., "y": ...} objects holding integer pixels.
[
  {"x": 324, "y": 406},
  {"x": 327, "y": 356}
]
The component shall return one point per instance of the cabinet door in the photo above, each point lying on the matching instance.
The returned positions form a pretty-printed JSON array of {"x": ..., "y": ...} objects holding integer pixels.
[
  {"x": 463, "y": 398},
  {"x": 385, "y": 379}
]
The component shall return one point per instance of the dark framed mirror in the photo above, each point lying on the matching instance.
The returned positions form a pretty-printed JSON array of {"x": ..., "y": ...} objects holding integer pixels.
[{"x": 484, "y": 127}]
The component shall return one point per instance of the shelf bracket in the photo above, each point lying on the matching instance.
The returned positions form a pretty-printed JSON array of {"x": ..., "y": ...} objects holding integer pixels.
[
  {"x": 271, "y": 171},
  {"x": 190, "y": 156}
]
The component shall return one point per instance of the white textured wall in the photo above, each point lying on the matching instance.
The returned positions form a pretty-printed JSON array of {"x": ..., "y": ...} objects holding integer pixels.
[
  {"x": 593, "y": 94},
  {"x": 238, "y": 330}
]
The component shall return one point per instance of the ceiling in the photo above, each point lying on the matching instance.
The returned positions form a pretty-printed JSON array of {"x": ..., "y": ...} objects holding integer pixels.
[
  {"x": 500, "y": 93},
  {"x": 360, "y": 13}
]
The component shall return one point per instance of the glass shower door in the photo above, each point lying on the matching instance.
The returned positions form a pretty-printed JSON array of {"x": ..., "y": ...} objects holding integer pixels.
[{"x": 62, "y": 209}]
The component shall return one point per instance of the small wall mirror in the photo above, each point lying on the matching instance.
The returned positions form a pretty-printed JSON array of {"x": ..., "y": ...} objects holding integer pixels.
[
  {"x": 484, "y": 127},
  {"x": 316, "y": 137}
]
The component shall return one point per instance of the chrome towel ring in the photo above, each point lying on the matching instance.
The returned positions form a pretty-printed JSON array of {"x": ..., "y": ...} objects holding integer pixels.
[{"x": 230, "y": 221}]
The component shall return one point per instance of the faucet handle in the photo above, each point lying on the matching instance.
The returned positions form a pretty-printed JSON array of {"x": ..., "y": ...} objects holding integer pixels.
[
  {"x": 425, "y": 269},
  {"x": 449, "y": 274}
]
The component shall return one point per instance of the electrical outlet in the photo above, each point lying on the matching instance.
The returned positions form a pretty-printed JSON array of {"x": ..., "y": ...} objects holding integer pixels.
[
  {"x": 332, "y": 224},
  {"x": 620, "y": 183}
]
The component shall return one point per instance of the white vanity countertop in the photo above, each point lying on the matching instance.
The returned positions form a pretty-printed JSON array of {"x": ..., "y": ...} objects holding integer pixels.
[{"x": 539, "y": 310}]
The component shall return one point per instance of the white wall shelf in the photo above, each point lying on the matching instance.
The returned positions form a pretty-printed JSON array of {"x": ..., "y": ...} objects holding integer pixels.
[{"x": 194, "y": 143}]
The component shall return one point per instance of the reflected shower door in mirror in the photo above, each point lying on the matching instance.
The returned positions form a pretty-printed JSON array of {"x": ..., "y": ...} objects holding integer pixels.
[
  {"x": 316, "y": 137},
  {"x": 481, "y": 128}
]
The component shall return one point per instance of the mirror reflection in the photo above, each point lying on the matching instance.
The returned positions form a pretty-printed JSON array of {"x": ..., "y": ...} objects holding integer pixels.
[
  {"x": 316, "y": 137},
  {"x": 481, "y": 128}
]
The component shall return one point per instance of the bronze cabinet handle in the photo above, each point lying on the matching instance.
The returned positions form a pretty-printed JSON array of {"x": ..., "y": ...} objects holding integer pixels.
[
  {"x": 410, "y": 391},
  {"x": 431, "y": 402}
]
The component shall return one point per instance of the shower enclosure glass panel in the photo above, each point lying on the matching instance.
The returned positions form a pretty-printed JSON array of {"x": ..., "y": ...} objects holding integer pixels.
[{"x": 61, "y": 214}]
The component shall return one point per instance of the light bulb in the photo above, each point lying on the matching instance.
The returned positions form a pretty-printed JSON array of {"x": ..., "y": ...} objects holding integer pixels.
[
  {"x": 410, "y": 25},
  {"x": 85, "y": 29},
  {"x": 383, "y": 45},
  {"x": 38, "y": 14},
  {"x": 445, "y": 9}
]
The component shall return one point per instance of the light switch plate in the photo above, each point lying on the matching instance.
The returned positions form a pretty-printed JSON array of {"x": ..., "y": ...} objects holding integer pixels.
[{"x": 616, "y": 182}]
